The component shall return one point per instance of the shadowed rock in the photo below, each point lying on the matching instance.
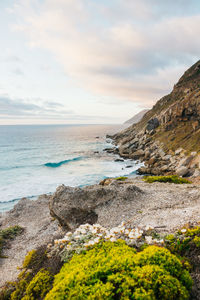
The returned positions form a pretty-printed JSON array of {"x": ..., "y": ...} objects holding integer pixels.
[{"x": 74, "y": 206}]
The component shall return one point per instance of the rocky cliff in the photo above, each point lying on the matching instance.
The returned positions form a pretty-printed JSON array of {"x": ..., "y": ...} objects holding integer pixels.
[{"x": 167, "y": 138}]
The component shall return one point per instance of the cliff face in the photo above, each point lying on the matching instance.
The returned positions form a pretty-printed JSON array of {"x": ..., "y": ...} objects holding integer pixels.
[{"x": 172, "y": 123}]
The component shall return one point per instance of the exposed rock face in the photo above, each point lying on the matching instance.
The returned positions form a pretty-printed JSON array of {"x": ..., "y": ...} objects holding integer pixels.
[
  {"x": 75, "y": 206},
  {"x": 169, "y": 132}
]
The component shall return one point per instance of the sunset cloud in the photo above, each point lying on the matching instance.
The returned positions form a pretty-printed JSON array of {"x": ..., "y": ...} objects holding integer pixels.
[{"x": 134, "y": 50}]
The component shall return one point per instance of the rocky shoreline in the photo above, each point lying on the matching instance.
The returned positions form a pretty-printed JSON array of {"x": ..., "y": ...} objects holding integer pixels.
[
  {"x": 146, "y": 149},
  {"x": 161, "y": 205}
]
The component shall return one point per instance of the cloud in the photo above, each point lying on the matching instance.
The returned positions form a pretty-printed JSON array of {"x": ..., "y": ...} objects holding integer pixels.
[
  {"x": 13, "y": 59},
  {"x": 18, "y": 72},
  {"x": 10, "y": 107},
  {"x": 134, "y": 50},
  {"x": 29, "y": 110}
]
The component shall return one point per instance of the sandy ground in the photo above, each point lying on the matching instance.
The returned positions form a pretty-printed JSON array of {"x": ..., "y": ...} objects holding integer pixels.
[
  {"x": 163, "y": 205},
  {"x": 34, "y": 217}
]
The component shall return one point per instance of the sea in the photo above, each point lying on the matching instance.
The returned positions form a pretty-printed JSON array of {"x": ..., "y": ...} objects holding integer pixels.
[{"x": 36, "y": 159}]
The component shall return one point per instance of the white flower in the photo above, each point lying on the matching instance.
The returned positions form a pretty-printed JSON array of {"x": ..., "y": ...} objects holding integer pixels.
[
  {"x": 77, "y": 237},
  {"x": 183, "y": 230},
  {"x": 108, "y": 237},
  {"x": 113, "y": 239},
  {"x": 126, "y": 232},
  {"x": 148, "y": 239},
  {"x": 69, "y": 233},
  {"x": 96, "y": 240},
  {"x": 91, "y": 243}
]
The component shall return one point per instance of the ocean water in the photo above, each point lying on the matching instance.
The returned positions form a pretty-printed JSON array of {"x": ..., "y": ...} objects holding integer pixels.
[{"x": 37, "y": 159}]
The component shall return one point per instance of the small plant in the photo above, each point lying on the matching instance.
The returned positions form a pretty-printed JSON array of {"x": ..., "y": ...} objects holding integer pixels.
[
  {"x": 121, "y": 178},
  {"x": 8, "y": 234},
  {"x": 171, "y": 179},
  {"x": 39, "y": 285}
]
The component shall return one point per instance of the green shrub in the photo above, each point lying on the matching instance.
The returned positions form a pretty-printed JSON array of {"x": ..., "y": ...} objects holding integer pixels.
[
  {"x": 116, "y": 271},
  {"x": 121, "y": 178},
  {"x": 171, "y": 179},
  {"x": 39, "y": 285},
  {"x": 8, "y": 234}
]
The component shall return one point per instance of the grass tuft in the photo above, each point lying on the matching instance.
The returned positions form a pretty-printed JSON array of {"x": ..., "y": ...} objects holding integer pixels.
[
  {"x": 8, "y": 234},
  {"x": 171, "y": 179},
  {"x": 121, "y": 178}
]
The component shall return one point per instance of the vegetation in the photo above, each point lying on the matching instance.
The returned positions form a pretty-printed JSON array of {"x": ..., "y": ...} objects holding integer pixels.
[
  {"x": 36, "y": 277},
  {"x": 8, "y": 234},
  {"x": 182, "y": 136},
  {"x": 121, "y": 178},
  {"x": 116, "y": 271},
  {"x": 113, "y": 269},
  {"x": 39, "y": 285},
  {"x": 171, "y": 179}
]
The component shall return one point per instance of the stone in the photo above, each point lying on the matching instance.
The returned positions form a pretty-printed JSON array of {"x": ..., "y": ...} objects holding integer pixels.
[
  {"x": 167, "y": 157},
  {"x": 152, "y": 124},
  {"x": 73, "y": 206},
  {"x": 164, "y": 168},
  {"x": 152, "y": 160},
  {"x": 185, "y": 161},
  {"x": 182, "y": 171},
  {"x": 147, "y": 154},
  {"x": 178, "y": 151},
  {"x": 196, "y": 173},
  {"x": 137, "y": 154}
]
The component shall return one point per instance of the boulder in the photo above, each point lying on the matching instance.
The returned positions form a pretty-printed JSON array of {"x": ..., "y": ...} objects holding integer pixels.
[
  {"x": 196, "y": 173},
  {"x": 185, "y": 161},
  {"x": 137, "y": 154},
  {"x": 152, "y": 124},
  {"x": 75, "y": 206},
  {"x": 182, "y": 171},
  {"x": 178, "y": 151}
]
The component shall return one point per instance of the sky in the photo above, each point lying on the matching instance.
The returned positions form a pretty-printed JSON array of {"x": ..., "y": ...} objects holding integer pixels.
[{"x": 92, "y": 61}]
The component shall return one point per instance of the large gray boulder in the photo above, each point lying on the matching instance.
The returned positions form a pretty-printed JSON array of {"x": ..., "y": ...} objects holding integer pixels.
[{"x": 75, "y": 206}]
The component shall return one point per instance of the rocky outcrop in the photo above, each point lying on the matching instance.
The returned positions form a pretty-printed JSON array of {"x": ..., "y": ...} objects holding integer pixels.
[
  {"x": 167, "y": 139},
  {"x": 75, "y": 206}
]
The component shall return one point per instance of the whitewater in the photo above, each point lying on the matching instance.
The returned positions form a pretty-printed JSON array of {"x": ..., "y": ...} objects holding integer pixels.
[{"x": 35, "y": 159}]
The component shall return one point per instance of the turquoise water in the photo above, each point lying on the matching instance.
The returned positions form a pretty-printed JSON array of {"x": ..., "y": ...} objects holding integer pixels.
[{"x": 36, "y": 159}]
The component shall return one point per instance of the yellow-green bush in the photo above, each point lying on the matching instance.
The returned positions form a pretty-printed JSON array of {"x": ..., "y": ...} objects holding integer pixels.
[
  {"x": 39, "y": 286},
  {"x": 171, "y": 179},
  {"x": 121, "y": 178},
  {"x": 116, "y": 271}
]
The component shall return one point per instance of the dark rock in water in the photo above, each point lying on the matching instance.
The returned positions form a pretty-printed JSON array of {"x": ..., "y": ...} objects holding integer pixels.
[
  {"x": 129, "y": 166},
  {"x": 96, "y": 152},
  {"x": 75, "y": 206},
  {"x": 111, "y": 150},
  {"x": 119, "y": 159},
  {"x": 152, "y": 124}
]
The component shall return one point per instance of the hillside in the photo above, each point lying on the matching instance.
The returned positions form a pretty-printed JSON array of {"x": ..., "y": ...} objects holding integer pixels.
[
  {"x": 172, "y": 124},
  {"x": 136, "y": 118}
]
